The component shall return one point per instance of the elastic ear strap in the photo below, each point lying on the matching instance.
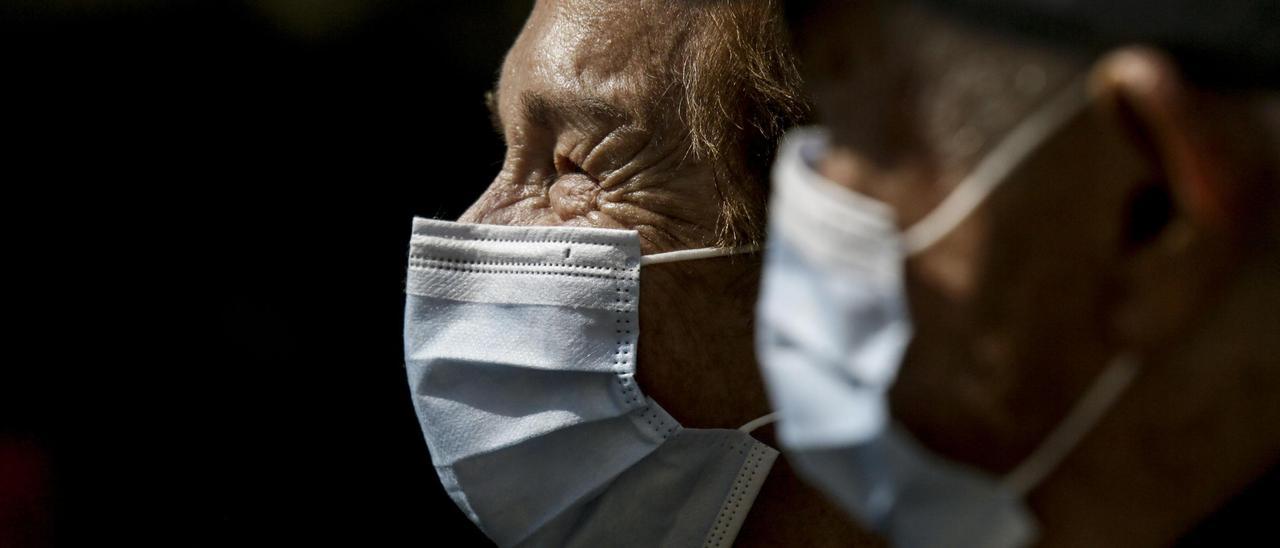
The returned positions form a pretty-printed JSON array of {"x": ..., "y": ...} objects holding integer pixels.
[
  {"x": 994, "y": 169},
  {"x": 695, "y": 254},
  {"x": 1088, "y": 410},
  {"x": 758, "y": 422}
]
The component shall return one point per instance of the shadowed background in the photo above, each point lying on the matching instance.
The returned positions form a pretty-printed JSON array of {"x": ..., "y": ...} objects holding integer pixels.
[{"x": 212, "y": 310}]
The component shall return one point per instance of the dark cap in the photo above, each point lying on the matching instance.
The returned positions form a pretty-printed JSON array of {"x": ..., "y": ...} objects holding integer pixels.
[{"x": 1220, "y": 43}]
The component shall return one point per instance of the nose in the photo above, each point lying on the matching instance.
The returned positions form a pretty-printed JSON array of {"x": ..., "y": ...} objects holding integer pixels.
[{"x": 573, "y": 194}]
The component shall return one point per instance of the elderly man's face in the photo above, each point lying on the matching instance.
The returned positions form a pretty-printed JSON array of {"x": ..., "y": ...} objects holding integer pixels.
[
  {"x": 594, "y": 104},
  {"x": 586, "y": 108},
  {"x": 587, "y": 104}
]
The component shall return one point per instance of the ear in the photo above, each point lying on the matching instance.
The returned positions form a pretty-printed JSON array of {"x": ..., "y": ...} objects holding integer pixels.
[
  {"x": 1178, "y": 231},
  {"x": 1186, "y": 133}
]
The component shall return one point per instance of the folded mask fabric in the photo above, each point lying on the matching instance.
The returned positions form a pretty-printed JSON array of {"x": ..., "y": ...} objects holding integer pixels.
[{"x": 520, "y": 348}]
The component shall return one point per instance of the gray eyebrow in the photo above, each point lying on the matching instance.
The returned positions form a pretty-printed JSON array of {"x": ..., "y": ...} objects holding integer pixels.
[
  {"x": 543, "y": 109},
  {"x": 495, "y": 117}
]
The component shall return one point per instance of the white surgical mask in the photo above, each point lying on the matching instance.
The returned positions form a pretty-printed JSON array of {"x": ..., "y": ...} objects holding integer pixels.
[
  {"x": 520, "y": 345},
  {"x": 832, "y": 327}
]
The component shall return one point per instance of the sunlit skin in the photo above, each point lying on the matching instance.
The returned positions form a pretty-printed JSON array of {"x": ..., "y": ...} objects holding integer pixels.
[
  {"x": 1064, "y": 267},
  {"x": 585, "y": 105}
]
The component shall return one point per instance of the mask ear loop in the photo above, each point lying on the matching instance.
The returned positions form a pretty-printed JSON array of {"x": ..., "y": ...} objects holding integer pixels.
[
  {"x": 695, "y": 254},
  {"x": 709, "y": 253},
  {"x": 995, "y": 169},
  {"x": 752, "y": 425},
  {"x": 1100, "y": 397}
]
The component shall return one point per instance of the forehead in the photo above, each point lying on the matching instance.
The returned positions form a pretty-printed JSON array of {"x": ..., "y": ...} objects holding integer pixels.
[
  {"x": 887, "y": 78},
  {"x": 620, "y": 53}
]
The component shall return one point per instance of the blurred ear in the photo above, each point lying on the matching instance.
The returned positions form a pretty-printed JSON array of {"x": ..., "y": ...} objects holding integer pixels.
[
  {"x": 1201, "y": 145},
  {"x": 1182, "y": 223}
]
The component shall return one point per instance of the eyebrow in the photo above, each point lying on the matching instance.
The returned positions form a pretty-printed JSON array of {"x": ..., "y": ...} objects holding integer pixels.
[
  {"x": 495, "y": 117},
  {"x": 543, "y": 109}
]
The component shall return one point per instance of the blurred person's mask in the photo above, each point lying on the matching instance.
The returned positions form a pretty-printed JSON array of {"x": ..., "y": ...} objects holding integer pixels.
[
  {"x": 520, "y": 344},
  {"x": 832, "y": 328}
]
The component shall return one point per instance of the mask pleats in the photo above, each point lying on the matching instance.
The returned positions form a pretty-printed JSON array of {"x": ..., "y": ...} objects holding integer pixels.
[
  {"x": 546, "y": 475},
  {"x": 679, "y": 489},
  {"x": 574, "y": 339},
  {"x": 520, "y": 352}
]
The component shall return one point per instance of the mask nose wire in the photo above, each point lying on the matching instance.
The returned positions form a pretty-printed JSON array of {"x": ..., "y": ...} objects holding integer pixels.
[
  {"x": 995, "y": 168},
  {"x": 694, "y": 254}
]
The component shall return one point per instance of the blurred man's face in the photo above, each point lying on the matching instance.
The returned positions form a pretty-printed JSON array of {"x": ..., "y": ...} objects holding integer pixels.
[
  {"x": 1009, "y": 308},
  {"x": 1138, "y": 227}
]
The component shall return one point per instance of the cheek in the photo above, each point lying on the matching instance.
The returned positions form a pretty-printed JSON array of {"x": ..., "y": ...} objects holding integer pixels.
[
  {"x": 945, "y": 293},
  {"x": 952, "y": 267},
  {"x": 504, "y": 203},
  {"x": 672, "y": 203},
  {"x": 573, "y": 200}
]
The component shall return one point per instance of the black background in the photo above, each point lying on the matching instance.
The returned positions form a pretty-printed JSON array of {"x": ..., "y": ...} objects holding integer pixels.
[{"x": 209, "y": 207}]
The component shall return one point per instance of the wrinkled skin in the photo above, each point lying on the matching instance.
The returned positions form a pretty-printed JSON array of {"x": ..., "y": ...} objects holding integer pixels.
[
  {"x": 1019, "y": 308},
  {"x": 584, "y": 103},
  {"x": 589, "y": 143}
]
